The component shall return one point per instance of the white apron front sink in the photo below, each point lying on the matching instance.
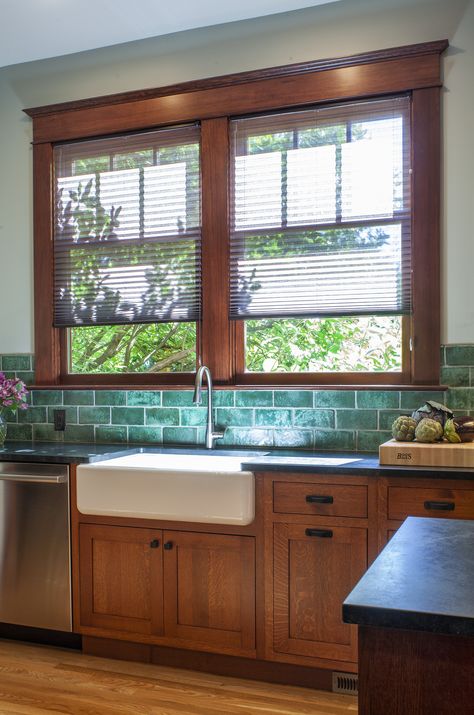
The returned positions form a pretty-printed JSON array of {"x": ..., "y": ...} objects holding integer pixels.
[{"x": 173, "y": 487}]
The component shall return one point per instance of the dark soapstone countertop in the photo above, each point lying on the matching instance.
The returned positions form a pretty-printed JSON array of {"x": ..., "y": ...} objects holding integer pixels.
[
  {"x": 253, "y": 459},
  {"x": 423, "y": 580}
]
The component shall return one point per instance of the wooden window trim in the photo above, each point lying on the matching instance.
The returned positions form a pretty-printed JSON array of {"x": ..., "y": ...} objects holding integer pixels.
[{"x": 414, "y": 69}]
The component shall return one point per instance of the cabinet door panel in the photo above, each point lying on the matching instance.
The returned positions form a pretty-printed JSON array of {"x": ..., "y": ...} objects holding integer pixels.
[
  {"x": 121, "y": 579},
  {"x": 209, "y": 587},
  {"x": 312, "y": 577}
]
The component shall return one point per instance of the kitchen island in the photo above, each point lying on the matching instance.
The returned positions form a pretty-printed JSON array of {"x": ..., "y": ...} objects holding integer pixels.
[{"x": 415, "y": 612}]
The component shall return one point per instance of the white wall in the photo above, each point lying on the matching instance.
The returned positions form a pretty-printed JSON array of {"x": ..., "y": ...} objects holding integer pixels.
[{"x": 342, "y": 28}]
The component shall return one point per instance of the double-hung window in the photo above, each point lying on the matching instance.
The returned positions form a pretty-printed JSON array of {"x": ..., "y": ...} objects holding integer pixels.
[
  {"x": 280, "y": 226},
  {"x": 127, "y": 251},
  {"x": 321, "y": 237}
]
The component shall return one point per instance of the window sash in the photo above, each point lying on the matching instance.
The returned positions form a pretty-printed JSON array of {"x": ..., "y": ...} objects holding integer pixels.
[
  {"x": 298, "y": 248},
  {"x": 127, "y": 239}
]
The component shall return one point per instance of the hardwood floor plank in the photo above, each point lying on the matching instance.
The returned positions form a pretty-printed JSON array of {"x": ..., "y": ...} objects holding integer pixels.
[{"x": 37, "y": 680}]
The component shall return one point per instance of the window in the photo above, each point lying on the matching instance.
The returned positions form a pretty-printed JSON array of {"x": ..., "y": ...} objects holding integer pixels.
[
  {"x": 127, "y": 245},
  {"x": 321, "y": 229},
  {"x": 279, "y": 226}
]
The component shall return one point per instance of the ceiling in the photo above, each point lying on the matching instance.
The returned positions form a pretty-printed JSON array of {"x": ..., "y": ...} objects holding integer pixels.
[{"x": 37, "y": 29}]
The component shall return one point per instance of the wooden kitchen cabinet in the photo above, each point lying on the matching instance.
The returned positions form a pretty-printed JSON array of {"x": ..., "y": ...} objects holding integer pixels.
[
  {"x": 209, "y": 589},
  {"x": 121, "y": 582},
  {"x": 194, "y": 590},
  {"x": 315, "y": 567}
]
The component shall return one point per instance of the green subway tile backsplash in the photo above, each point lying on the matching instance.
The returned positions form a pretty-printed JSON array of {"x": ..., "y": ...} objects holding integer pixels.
[{"x": 324, "y": 419}]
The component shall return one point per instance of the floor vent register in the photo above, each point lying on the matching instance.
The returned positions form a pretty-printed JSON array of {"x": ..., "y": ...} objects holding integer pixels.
[{"x": 346, "y": 683}]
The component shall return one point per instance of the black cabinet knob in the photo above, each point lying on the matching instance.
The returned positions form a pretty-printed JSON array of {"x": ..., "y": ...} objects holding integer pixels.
[
  {"x": 168, "y": 545},
  {"x": 154, "y": 544}
]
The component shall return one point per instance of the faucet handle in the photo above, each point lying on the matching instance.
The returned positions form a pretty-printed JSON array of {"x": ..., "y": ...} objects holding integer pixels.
[{"x": 217, "y": 434}]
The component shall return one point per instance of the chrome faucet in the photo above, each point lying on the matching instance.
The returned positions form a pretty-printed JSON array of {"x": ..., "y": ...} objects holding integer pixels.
[{"x": 211, "y": 433}]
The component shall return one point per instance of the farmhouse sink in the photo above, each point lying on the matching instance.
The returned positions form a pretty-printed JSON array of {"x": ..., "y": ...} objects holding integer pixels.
[{"x": 176, "y": 487}]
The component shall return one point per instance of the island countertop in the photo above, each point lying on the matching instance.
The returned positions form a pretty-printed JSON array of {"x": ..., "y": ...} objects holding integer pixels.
[{"x": 423, "y": 580}]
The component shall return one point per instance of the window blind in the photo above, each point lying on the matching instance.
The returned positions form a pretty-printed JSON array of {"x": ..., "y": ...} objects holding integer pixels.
[
  {"x": 127, "y": 229},
  {"x": 320, "y": 212}
]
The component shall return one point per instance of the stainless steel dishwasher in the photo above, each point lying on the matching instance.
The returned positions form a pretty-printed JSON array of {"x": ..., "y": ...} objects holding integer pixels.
[{"x": 35, "y": 560}]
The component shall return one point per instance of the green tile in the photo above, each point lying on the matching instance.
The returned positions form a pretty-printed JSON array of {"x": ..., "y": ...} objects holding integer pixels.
[
  {"x": 161, "y": 416},
  {"x": 273, "y": 418},
  {"x": 179, "y": 435},
  {"x": 94, "y": 415},
  {"x": 193, "y": 417},
  {"x": 144, "y": 398},
  {"x": 27, "y": 377},
  {"x": 240, "y": 437},
  {"x": 254, "y": 398},
  {"x": 71, "y": 414},
  {"x": 293, "y": 398},
  {"x": 334, "y": 398},
  {"x": 459, "y": 354},
  {"x": 79, "y": 433},
  {"x": 456, "y": 376},
  {"x": 314, "y": 418},
  {"x": 47, "y": 397},
  {"x": 388, "y": 417},
  {"x": 334, "y": 439},
  {"x": 356, "y": 419},
  {"x": 20, "y": 432},
  {"x": 47, "y": 433},
  {"x": 33, "y": 414},
  {"x": 412, "y": 400},
  {"x": 78, "y": 397},
  {"x": 110, "y": 434},
  {"x": 460, "y": 398},
  {"x": 370, "y": 441},
  {"x": 16, "y": 362},
  {"x": 223, "y": 398},
  {"x": 148, "y": 435},
  {"x": 128, "y": 415},
  {"x": 234, "y": 417},
  {"x": 114, "y": 398},
  {"x": 181, "y": 398},
  {"x": 378, "y": 399},
  {"x": 293, "y": 438}
]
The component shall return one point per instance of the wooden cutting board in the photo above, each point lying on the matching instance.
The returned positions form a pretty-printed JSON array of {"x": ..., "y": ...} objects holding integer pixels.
[{"x": 417, "y": 454}]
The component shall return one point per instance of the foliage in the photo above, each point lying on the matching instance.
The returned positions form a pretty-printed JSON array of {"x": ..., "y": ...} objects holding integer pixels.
[{"x": 324, "y": 345}]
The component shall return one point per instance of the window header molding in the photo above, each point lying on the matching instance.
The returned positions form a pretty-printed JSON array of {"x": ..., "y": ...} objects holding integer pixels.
[{"x": 402, "y": 68}]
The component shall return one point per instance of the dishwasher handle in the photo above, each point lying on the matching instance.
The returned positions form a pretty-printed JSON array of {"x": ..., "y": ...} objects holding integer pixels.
[{"x": 34, "y": 479}]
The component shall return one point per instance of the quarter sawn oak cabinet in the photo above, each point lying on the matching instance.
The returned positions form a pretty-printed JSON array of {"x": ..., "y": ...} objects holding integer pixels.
[
  {"x": 193, "y": 588},
  {"x": 255, "y": 601}
]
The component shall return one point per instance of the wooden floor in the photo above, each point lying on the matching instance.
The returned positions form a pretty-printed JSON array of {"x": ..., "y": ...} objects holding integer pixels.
[{"x": 40, "y": 679}]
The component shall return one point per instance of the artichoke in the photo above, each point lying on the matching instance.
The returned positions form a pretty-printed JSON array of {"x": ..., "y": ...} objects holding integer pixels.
[
  {"x": 434, "y": 411},
  {"x": 403, "y": 429},
  {"x": 428, "y": 430}
]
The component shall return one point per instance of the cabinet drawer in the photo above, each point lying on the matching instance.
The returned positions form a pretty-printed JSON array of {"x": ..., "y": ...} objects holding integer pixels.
[
  {"x": 447, "y": 503},
  {"x": 323, "y": 499}
]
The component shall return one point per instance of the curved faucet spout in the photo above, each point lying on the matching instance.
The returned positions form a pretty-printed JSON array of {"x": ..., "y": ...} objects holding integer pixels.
[{"x": 211, "y": 433}]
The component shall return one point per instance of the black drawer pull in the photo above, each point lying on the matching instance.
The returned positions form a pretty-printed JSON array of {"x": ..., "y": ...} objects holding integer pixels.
[
  {"x": 168, "y": 546},
  {"x": 319, "y": 499},
  {"x": 154, "y": 544},
  {"x": 322, "y": 533},
  {"x": 440, "y": 505}
]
